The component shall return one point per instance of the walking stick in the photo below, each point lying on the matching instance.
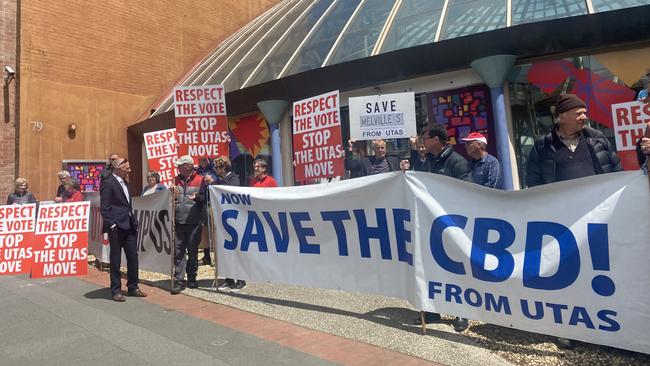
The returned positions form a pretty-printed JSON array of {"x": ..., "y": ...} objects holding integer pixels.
[{"x": 213, "y": 248}]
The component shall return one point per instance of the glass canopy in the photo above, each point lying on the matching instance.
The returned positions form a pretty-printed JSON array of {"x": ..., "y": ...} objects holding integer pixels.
[{"x": 300, "y": 35}]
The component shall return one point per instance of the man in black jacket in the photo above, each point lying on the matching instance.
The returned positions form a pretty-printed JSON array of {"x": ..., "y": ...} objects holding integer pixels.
[
  {"x": 122, "y": 227},
  {"x": 375, "y": 164},
  {"x": 442, "y": 160},
  {"x": 572, "y": 149}
]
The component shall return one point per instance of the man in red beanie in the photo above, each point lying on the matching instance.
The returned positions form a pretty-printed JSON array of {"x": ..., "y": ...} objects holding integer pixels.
[{"x": 572, "y": 149}]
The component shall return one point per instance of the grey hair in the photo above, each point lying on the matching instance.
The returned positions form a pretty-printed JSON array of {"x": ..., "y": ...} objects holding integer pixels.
[{"x": 63, "y": 174}]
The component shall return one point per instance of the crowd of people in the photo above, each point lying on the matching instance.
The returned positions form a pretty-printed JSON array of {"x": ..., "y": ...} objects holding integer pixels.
[{"x": 570, "y": 150}]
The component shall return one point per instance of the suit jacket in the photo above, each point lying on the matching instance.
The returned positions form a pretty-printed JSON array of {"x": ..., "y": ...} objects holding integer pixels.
[{"x": 116, "y": 207}]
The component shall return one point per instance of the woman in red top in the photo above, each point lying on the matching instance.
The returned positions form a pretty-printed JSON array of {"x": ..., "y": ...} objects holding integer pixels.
[
  {"x": 261, "y": 179},
  {"x": 72, "y": 187}
]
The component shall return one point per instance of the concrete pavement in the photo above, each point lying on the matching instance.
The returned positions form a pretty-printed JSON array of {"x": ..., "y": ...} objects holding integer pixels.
[{"x": 70, "y": 321}]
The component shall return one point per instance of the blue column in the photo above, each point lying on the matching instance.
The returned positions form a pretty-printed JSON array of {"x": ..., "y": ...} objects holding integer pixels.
[
  {"x": 501, "y": 131},
  {"x": 276, "y": 157}
]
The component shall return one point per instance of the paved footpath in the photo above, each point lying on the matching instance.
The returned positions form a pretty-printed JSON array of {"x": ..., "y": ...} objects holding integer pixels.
[{"x": 72, "y": 321}]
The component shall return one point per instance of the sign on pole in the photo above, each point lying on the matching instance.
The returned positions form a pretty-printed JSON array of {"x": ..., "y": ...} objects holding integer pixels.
[
  {"x": 16, "y": 238},
  {"x": 317, "y": 142},
  {"x": 201, "y": 121},
  {"x": 629, "y": 124},
  {"x": 161, "y": 153},
  {"x": 388, "y": 116},
  {"x": 61, "y": 244}
]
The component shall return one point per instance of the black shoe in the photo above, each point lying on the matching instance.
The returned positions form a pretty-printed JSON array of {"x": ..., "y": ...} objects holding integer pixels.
[
  {"x": 227, "y": 284},
  {"x": 238, "y": 286},
  {"x": 206, "y": 261},
  {"x": 428, "y": 318},
  {"x": 178, "y": 288},
  {"x": 564, "y": 343},
  {"x": 192, "y": 284},
  {"x": 136, "y": 293},
  {"x": 460, "y": 324}
]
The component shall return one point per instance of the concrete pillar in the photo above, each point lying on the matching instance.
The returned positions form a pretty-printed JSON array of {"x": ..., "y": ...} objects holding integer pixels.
[
  {"x": 494, "y": 70},
  {"x": 273, "y": 110}
]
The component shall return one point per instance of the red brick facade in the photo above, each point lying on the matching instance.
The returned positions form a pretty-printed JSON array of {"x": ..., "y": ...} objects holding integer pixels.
[{"x": 7, "y": 102}]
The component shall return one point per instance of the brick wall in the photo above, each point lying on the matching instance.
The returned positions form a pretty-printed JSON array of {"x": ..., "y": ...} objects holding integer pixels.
[
  {"x": 101, "y": 65},
  {"x": 7, "y": 104}
]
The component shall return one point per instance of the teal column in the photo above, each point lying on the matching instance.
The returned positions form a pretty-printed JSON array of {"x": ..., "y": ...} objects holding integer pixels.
[{"x": 494, "y": 70}]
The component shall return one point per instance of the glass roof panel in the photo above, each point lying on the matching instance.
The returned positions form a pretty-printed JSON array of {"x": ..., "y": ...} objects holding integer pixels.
[
  {"x": 275, "y": 62},
  {"x": 416, "y": 23},
  {"x": 466, "y": 17},
  {"x": 314, "y": 51},
  {"x": 527, "y": 11},
  {"x": 245, "y": 45},
  {"x": 360, "y": 38},
  {"x": 241, "y": 72},
  {"x": 605, "y": 5}
]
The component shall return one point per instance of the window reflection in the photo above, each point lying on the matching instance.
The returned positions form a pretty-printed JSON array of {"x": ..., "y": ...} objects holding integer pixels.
[
  {"x": 527, "y": 11},
  {"x": 275, "y": 62},
  {"x": 473, "y": 16},
  {"x": 316, "y": 48},
  {"x": 244, "y": 69},
  {"x": 361, "y": 36},
  {"x": 416, "y": 23},
  {"x": 606, "y": 5},
  {"x": 224, "y": 69}
]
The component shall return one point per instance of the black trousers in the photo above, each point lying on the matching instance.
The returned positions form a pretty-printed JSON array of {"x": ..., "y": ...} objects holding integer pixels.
[
  {"x": 188, "y": 237},
  {"x": 123, "y": 239}
]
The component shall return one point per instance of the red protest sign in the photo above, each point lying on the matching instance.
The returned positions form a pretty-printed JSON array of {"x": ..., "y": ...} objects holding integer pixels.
[
  {"x": 201, "y": 121},
  {"x": 61, "y": 240},
  {"x": 17, "y": 224},
  {"x": 161, "y": 153},
  {"x": 630, "y": 121},
  {"x": 317, "y": 142}
]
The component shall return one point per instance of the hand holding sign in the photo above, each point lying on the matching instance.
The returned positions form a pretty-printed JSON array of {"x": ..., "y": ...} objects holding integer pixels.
[{"x": 645, "y": 141}]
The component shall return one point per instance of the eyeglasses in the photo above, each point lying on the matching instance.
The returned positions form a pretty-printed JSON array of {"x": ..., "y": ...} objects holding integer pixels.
[{"x": 125, "y": 161}]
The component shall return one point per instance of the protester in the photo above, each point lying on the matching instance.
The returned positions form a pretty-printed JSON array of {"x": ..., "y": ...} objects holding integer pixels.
[
  {"x": 61, "y": 193},
  {"x": 206, "y": 169},
  {"x": 442, "y": 159},
  {"x": 21, "y": 195},
  {"x": 261, "y": 179},
  {"x": 122, "y": 229},
  {"x": 486, "y": 170},
  {"x": 73, "y": 190},
  {"x": 571, "y": 150},
  {"x": 189, "y": 214},
  {"x": 108, "y": 169},
  {"x": 223, "y": 167},
  {"x": 374, "y": 164},
  {"x": 153, "y": 184},
  {"x": 420, "y": 160}
]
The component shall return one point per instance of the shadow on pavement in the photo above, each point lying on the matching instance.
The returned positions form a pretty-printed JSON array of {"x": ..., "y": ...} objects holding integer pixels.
[{"x": 99, "y": 294}]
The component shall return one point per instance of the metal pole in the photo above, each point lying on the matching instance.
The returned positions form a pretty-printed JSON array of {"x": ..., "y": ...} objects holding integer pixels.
[
  {"x": 173, "y": 254},
  {"x": 210, "y": 232}
]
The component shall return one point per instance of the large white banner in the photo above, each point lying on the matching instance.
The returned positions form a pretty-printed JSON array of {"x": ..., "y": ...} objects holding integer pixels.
[
  {"x": 568, "y": 259},
  {"x": 155, "y": 241}
]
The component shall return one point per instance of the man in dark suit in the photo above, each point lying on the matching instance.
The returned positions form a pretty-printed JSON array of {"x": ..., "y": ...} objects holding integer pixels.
[{"x": 121, "y": 226}]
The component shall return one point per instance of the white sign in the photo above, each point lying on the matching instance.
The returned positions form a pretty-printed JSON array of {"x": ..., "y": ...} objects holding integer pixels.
[
  {"x": 155, "y": 239},
  {"x": 629, "y": 123},
  {"x": 388, "y": 116},
  {"x": 567, "y": 259}
]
